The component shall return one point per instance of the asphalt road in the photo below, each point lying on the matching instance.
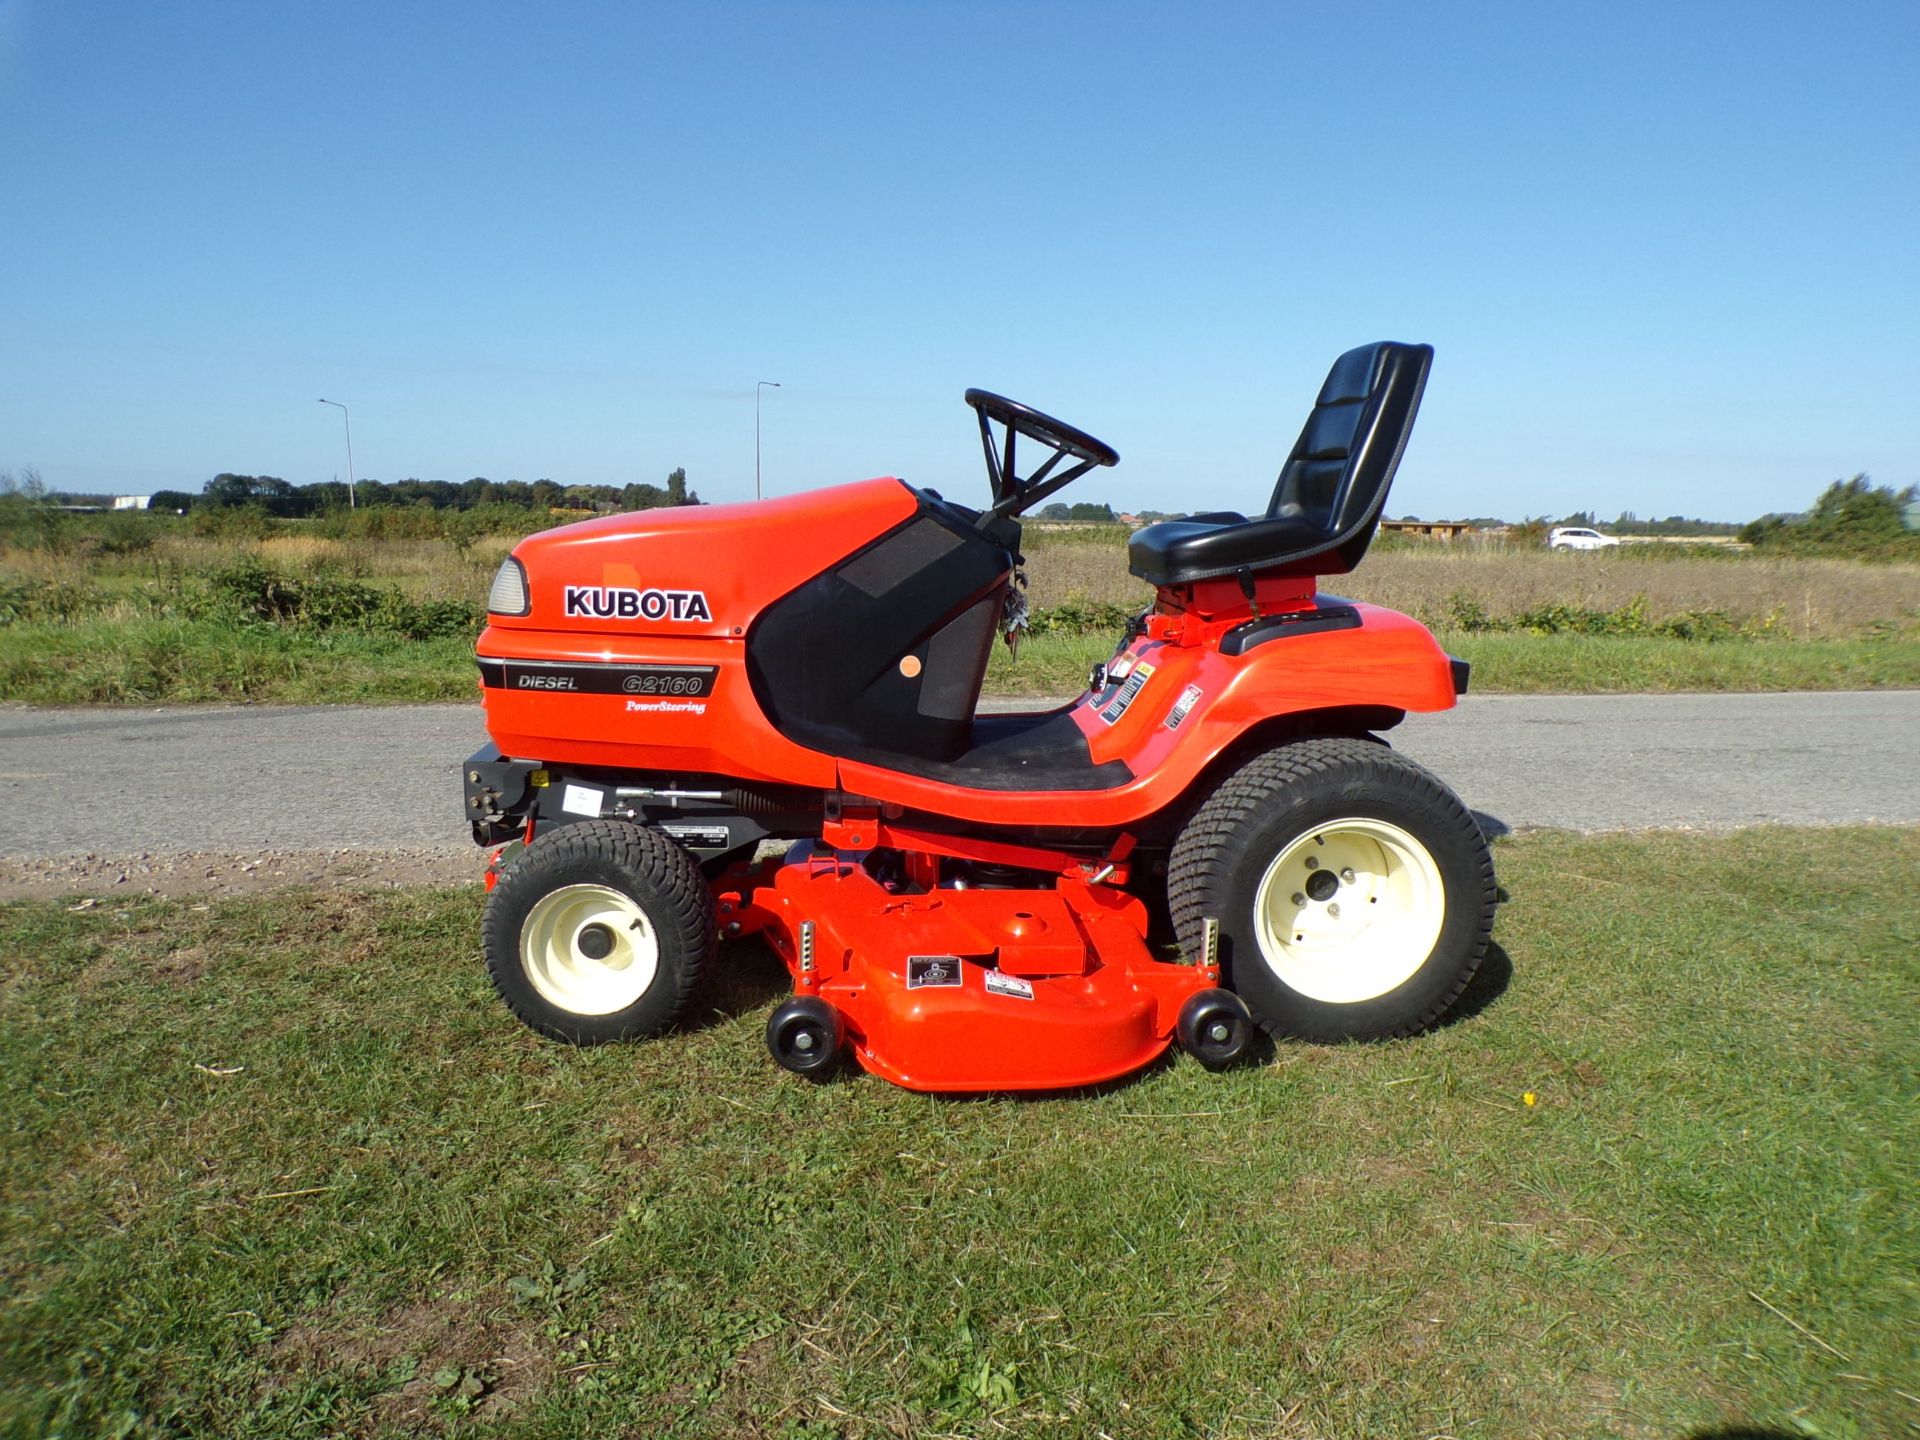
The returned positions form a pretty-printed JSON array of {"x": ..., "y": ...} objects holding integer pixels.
[{"x": 238, "y": 778}]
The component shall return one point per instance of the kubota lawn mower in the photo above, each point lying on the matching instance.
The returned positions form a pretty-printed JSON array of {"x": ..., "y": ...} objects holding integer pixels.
[{"x": 978, "y": 902}]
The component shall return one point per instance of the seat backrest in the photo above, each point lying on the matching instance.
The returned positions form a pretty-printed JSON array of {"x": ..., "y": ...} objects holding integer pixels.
[{"x": 1342, "y": 465}]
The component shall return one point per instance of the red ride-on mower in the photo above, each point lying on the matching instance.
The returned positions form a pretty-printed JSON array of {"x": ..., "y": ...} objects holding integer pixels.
[{"x": 968, "y": 900}]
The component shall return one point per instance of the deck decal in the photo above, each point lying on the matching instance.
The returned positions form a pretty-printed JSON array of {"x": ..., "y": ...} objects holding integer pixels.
[
  {"x": 1001, "y": 984},
  {"x": 931, "y": 971}
]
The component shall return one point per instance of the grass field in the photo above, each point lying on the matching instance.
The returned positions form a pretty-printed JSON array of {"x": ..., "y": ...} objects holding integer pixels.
[
  {"x": 148, "y": 611},
  {"x": 1778, "y": 597},
  {"x": 1556, "y": 664},
  {"x": 282, "y": 1167}
]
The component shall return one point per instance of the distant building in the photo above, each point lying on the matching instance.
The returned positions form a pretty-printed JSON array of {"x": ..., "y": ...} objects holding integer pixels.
[
  {"x": 131, "y": 502},
  {"x": 1910, "y": 517},
  {"x": 1431, "y": 529}
]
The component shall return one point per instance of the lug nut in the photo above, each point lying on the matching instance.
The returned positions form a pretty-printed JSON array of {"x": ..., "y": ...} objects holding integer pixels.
[
  {"x": 1347, "y": 875},
  {"x": 803, "y": 1041},
  {"x": 1313, "y": 862},
  {"x": 1298, "y": 898},
  {"x": 1333, "y": 910},
  {"x": 1218, "y": 1032}
]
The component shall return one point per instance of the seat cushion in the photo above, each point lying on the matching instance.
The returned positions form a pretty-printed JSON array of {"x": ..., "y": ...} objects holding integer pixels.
[{"x": 1177, "y": 552}]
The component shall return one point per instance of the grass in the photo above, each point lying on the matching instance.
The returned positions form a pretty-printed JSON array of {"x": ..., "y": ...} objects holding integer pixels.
[
  {"x": 149, "y": 611},
  {"x": 1798, "y": 599},
  {"x": 177, "y": 661},
  {"x": 1520, "y": 664},
  {"x": 283, "y": 1167}
]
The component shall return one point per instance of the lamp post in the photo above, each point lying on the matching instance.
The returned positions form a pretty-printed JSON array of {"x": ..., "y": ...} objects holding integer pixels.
[
  {"x": 347, "y": 416},
  {"x": 758, "y": 387}
]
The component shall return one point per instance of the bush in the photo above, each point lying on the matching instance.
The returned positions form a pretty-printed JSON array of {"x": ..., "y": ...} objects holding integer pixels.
[
  {"x": 384, "y": 522},
  {"x": 1464, "y": 613},
  {"x": 1852, "y": 518},
  {"x": 231, "y": 522},
  {"x": 30, "y": 524},
  {"x": 251, "y": 592},
  {"x": 1080, "y": 617}
]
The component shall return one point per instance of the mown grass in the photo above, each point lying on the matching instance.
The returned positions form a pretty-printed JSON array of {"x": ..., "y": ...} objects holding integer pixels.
[{"x": 284, "y": 1167}]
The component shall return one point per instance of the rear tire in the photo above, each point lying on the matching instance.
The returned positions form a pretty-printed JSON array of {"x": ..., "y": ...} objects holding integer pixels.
[
  {"x": 1354, "y": 892},
  {"x": 597, "y": 931}
]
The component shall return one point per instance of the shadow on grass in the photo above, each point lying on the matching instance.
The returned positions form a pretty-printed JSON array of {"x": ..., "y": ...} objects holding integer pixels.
[
  {"x": 746, "y": 976},
  {"x": 1489, "y": 983},
  {"x": 1491, "y": 826}
]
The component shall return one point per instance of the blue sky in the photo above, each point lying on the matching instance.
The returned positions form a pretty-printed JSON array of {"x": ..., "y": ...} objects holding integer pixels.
[{"x": 1668, "y": 254}]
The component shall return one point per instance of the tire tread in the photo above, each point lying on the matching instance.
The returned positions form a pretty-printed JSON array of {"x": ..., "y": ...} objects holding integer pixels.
[{"x": 1193, "y": 868}]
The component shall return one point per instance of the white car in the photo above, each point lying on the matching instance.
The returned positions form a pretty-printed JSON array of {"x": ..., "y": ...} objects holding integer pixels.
[{"x": 1578, "y": 537}]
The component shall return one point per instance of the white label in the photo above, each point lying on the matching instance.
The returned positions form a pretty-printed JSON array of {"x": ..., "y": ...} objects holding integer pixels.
[
  {"x": 1001, "y": 984},
  {"x": 1135, "y": 683},
  {"x": 701, "y": 837},
  {"x": 581, "y": 800},
  {"x": 1189, "y": 698}
]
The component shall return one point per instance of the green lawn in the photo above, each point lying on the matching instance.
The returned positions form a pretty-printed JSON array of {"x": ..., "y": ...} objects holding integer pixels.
[{"x": 283, "y": 1167}]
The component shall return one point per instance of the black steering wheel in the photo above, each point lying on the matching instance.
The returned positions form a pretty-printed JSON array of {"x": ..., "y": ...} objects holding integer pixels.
[{"x": 1011, "y": 493}]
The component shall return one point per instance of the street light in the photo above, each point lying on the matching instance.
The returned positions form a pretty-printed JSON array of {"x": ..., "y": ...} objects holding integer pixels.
[
  {"x": 758, "y": 387},
  {"x": 347, "y": 416}
]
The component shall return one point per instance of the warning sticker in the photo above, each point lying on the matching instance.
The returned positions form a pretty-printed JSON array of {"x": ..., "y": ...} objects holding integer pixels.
[
  {"x": 1136, "y": 682},
  {"x": 1182, "y": 707},
  {"x": 999, "y": 984},
  {"x": 926, "y": 972}
]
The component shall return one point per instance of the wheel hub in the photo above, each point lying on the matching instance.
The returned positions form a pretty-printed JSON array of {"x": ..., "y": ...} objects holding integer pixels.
[
  {"x": 1349, "y": 910},
  {"x": 589, "y": 949}
]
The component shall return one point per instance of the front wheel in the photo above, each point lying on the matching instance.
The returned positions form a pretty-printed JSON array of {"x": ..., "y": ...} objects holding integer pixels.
[
  {"x": 1354, "y": 891},
  {"x": 597, "y": 931}
]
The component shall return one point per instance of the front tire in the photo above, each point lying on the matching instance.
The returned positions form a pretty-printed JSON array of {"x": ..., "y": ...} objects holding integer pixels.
[
  {"x": 1354, "y": 892},
  {"x": 597, "y": 931}
]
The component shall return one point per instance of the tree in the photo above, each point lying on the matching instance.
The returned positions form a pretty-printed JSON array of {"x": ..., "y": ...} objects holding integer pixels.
[
  {"x": 27, "y": 484},
  {"x": 1058, "y": 510},
  {"x": 1851, "y": 517},
  {"x": 677, "y": 487},
  {"x": 171, "y": 501},
  {"x": 1088, "y": 510},
  {"x": 226, "y": 488}
]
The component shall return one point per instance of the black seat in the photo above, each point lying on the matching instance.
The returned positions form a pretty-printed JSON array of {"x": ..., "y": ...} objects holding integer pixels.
[{"x": 1331, "y": 490}]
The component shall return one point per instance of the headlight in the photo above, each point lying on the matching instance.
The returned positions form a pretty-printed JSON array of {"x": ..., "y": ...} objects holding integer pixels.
[{"x": 509, "y": 593}]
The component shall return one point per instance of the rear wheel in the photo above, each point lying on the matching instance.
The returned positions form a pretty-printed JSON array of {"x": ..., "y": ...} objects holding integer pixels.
[
  {"x": 597, "y": 932},
  {"x": 1353, "y": 890}
]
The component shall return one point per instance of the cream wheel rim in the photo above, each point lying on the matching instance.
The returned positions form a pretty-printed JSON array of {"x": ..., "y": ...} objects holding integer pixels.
[
  {"x": 589, "y": 949},
  {"x": 1349, "y": 910}
]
